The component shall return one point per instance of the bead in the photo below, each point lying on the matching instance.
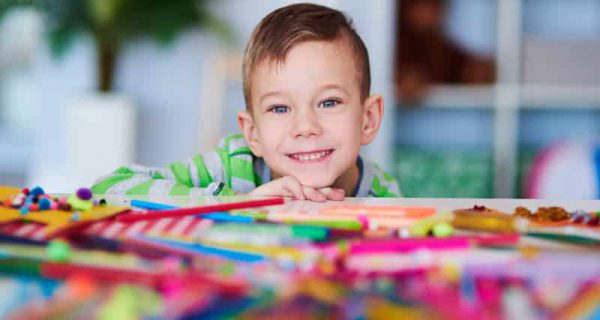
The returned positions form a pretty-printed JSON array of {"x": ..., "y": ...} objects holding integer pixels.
[
  {"x": 58, "y": 251},
  {"x": 25, "y": 191},
  {"x": 102, "y": 202},
  {"x": 24, "y": 210},
  {"x": 34, "y": 207},
  {"x": 75, "y": 216},
  {"x": 54, "y": 205},
  {"x": 84, "y": 193}
]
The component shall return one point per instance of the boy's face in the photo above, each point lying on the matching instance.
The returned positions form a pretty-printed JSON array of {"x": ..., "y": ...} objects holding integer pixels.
[{"x": 307, "y": 118}]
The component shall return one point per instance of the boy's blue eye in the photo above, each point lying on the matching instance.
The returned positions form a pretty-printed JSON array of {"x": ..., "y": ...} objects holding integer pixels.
[
  {"x": 279, "y": 109},
  {"x": 329, "y": 103}
]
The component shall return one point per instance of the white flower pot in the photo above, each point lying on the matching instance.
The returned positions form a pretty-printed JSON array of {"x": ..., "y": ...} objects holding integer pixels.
[{"x": 100, "y": 136}]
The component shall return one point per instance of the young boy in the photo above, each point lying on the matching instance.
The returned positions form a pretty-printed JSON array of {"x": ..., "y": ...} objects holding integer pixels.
[{"x": 308, "y": 110}]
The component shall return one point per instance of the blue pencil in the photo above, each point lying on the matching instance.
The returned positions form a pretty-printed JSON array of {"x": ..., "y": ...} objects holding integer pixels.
[
  {"x": 226, "y": 217},
  {"x": 151, "y": 205},
  {"x": 192, "y": 248}
]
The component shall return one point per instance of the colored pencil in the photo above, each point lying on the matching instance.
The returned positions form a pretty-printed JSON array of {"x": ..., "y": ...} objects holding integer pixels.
[
  {"x": 151, "y": 205},
  {"x": 190, "y": 250},
  {"x": 226, "y": 217},
  {"x": 199, "y": 210}
]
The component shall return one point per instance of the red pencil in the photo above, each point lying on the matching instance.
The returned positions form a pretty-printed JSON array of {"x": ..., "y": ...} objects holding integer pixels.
[{"x": 198, "y": 210}]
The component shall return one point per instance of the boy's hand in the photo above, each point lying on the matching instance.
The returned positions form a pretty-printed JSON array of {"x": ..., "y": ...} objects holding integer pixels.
[{"x": 290, "y": 187}]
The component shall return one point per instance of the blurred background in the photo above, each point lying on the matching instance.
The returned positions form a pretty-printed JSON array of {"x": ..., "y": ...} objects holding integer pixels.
[{"x": 484, "y": 98}]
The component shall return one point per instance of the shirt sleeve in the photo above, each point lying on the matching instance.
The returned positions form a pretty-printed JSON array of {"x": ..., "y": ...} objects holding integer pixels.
[
  {"x": 384, "y": 185},
  {"x": 203, "y": 174}
]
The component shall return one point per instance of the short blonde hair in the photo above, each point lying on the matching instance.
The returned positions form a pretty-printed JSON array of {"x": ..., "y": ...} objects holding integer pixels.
[{"x": 282, "y": 29}]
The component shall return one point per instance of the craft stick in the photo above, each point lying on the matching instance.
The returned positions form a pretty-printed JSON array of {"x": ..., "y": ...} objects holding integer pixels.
[
  {"x": 345, "y": 223},
  {"x": 566, "y": 238},
  {"x": 199, "y": 210}
]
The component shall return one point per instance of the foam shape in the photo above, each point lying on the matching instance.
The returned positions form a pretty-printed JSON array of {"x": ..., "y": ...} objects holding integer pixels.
[{"x": 55, "y": 221}]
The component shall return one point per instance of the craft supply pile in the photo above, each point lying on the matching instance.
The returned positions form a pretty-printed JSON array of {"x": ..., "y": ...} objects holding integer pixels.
[{"x": 76, "y": 256}]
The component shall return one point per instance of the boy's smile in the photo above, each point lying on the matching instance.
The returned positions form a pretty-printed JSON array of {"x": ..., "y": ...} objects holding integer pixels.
[
  {"x": 311, "y": 156},
  {"x": 308, "y": 120}
]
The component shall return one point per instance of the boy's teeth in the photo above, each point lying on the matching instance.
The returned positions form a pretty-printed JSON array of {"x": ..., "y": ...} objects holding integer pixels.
[{"x": 311, "y": 156}]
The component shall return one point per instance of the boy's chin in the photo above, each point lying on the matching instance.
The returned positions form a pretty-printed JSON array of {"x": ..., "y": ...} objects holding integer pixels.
[{"x": 316, "y": 182}]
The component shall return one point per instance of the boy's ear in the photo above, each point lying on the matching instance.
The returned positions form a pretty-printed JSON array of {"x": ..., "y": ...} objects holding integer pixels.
[
  {"x": 248, "y": 128},
  {"x": 372, "y": 115}
]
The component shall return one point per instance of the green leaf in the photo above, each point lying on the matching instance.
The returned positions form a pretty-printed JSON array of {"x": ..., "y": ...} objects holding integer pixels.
[{"x": 60, "y": 39}]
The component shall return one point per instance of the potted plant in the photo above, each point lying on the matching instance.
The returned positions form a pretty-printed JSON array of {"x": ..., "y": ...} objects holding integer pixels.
[
  {"x": 113, "y": 23},
  {"x": 104, "y": 119}
]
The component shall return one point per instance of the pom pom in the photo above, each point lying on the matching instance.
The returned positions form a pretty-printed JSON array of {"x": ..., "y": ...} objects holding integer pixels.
[
  {"x": 84, "y": 193},
  {"x": 36, "y": 191},
  {"x": 44, "y": 204},
  {"x": 24, "y": 210},
  {"x": 78, "y": 204},
  {"x": 59, "y": 251}
]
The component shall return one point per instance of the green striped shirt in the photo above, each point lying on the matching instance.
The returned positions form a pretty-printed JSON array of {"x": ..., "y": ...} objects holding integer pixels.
[{"x": 228, "y": 170}]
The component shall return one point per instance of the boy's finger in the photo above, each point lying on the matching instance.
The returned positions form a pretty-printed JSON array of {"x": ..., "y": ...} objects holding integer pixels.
[
  {"x": 292, "y": 187},
  {"x": 313, "y": 195},
  {"x": 337, "y": 194},
  {"x": 333, "y": 193}
]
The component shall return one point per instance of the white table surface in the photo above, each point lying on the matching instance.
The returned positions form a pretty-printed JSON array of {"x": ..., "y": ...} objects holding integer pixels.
[{"x": 440, "y": 204}]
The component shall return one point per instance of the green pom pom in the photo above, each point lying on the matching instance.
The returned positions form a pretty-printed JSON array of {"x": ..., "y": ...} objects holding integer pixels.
[
  {"x": 59, "y": 251},
  {"x": 443, "y": 230},
  {"x": 78, "y": 204},
  {"x": 420, "y": 230}
]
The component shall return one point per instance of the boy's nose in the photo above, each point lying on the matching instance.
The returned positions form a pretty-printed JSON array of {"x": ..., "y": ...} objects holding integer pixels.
[{"x": 306, "y": 124}]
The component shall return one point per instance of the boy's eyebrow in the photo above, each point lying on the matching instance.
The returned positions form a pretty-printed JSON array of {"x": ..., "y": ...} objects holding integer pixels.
[
  {"x": 332, "y": 86},
  {"x": 268, "y": 94}
]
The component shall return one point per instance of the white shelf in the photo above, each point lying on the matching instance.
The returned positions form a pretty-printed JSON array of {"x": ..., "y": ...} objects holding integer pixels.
[
  {"x": 460, "y": 96},
  {"x": 530, "y": 97},
  {"x": 560, "y": 97},
  {"x": 510, "y": 95}
]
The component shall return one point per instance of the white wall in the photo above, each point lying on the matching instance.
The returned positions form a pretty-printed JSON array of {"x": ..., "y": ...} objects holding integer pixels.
[{"x": 167, "y": 86}]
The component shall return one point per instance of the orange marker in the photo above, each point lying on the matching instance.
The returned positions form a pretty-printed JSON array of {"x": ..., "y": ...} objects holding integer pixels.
[{"x": 380, "y": 211}]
